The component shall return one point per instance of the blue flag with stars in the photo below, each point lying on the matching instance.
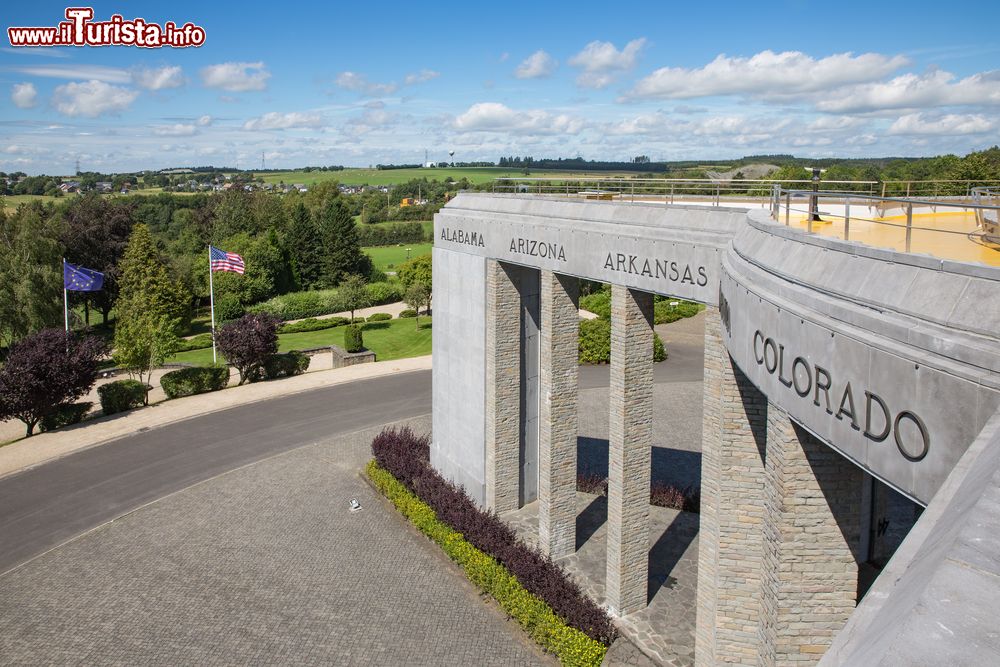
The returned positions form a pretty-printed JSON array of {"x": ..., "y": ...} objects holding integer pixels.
[{"x": 78, "y": 279}]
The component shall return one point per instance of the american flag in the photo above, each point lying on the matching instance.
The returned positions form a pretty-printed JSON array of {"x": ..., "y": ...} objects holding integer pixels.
[{"x": 225, "y": 261}]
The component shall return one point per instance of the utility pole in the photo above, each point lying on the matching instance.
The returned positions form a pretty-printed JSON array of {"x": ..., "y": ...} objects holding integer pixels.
[
  {"x": 78, "y": 166},
  {"x": 262, "y": 160}
]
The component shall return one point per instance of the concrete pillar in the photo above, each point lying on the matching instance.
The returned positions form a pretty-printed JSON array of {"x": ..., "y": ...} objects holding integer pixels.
[
  {"x": 812, "y": 531},
  {"x": 734, "y": 426},
  {"x": 631, "y": 434},
  {"x": 557, "y": 411},
  {"x": 503, "y": 379}
]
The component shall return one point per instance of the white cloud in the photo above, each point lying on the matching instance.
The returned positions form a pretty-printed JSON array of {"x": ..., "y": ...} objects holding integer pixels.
[
  {"x": 236, "y": 77},
  {"x": 284, "y": 121},
  {"x": 496, "y": 117},
  {"x": 504, "y": 56},
  {"x": 601, "y": 61},
  {"x": 359, "y": 83},
  {"x": 946, "y": 125},
  {"x": 421, "y": 76},
  {"x": 77, "y": 72},
  {"x": 24, "y": 95},
  {"x": 766, "y": 74},
  {"x": 205, "y": 121},
  {"x": 539, "y": 64},
  {"x": 177, "y": 130},
  {"x": 911, "y": 91},
  {"x": 92, "y": 98},
  {"x": 158, "y": 78}
]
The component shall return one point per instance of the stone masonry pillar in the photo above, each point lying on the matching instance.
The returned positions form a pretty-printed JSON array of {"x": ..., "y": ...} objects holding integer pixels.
[
  {"x": 812, "y": 529},
  {"x": 734, "y": 426},
  {"x": 631, "y": 435},
  {"x": 559, "y": 360},
  {"x": 503, "y": 378}
]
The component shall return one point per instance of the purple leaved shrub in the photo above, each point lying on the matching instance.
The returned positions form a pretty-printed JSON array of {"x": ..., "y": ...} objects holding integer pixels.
[{"x": 407, "y": 456}]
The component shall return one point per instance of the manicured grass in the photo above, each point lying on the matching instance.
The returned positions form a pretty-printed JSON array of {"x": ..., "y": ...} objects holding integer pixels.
[
  {"x": 11, "y": 202},
  {"x": 391, "y": 256},
  {"x": 428, "y": 225},
  {"x": 395, "y": 339}
]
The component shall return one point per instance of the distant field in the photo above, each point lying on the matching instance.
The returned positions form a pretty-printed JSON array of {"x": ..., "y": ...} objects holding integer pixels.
[
  {"x": 11, "y": 202},
  {"x": 391, "y": 256},
  {"x": 392, "y": 176}
]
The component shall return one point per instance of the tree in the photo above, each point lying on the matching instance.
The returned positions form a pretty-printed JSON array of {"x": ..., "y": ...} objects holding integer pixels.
[
  {"x": 267, "y": 272},
  {"x": 247, "y": 342},
  {"x": 417, "y": 295},
  {"x": 342, "y": 252},
  {"x": 305, "y": 244},
  {"x": 354, "y": 293},
  {"x": 30, "y": 272},
  {"x": 46, "y": 370},
  {"x": 416, "y": 270},
  {"x": 151, "y": 308}
]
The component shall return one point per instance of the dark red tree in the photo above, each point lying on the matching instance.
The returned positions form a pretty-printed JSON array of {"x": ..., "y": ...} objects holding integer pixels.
[
  {"x": 46, "y": 370},
  {"x": 247, "y": 342}
]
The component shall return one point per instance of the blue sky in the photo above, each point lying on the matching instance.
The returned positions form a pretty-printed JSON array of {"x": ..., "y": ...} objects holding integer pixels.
[{"x": 363, "y": 83}]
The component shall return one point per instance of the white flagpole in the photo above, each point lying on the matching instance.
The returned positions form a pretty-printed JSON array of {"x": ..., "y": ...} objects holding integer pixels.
[
  {"x": 211, "y": 293},
  {"x": 65, "y": 298}
]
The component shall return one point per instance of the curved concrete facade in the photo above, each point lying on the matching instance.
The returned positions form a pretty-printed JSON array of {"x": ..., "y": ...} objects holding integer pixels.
[{"x": 824, "y": 360}]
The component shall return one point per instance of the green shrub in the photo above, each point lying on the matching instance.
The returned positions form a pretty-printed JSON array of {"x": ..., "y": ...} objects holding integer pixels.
[
  {"x": 598, "y": 303},
  {"x": 121, "y": 395},
  {"x": 285, "y": 365},
  {"x": 379, "y": 317},
  {"x": 389, "y": 234},
  {"x": 64, "y": 415},
  {"x": 377, "y": 275},
  {"x": 664, "y": 313},
  {"x": 409, "y": 312},
  {"x": 569, "y": 645},
  {"x": 199, "y": 342},
  {"x": 197, "y": 380},
  {"x": 353, "y": 341},
  {"x": 379, "y": 293},
  {"x": 228, "y": 307},
  {"x": 595, "y": 343},
  {"x": 311, "y": 324}
]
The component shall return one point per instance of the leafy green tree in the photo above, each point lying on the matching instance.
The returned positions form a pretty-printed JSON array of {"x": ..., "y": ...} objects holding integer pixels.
[
  {"x": 268, "y": 269},
  {"x": 417, "y": 270},
  {"x": 354, "y": 293},
  {"x": 417, "y": 296},
  {"x": 343, "y": 255},
  {"x": 30, "y": 272},
  {"x": 305, "y": 244},
  {"x": 151, "y": 309}
]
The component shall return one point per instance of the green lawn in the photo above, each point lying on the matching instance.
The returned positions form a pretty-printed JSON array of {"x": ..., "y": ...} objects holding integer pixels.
[
  {"x": 391, "y": 256},
  {"x": 395, "y": 339}
]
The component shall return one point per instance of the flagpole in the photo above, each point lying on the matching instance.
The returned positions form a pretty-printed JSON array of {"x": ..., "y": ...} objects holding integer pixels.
[
  {"x": 211, "y": 296},
  {"x": 65, "y": 297}
]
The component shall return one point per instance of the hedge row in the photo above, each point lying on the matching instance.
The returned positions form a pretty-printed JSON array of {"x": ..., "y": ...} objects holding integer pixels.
[
  {"x": 406, "y": 457},
  {"x": 599, "y": 303},
  {"x": 121, "y": 395},
  {"x": 298, "y": 305},
  {"x": 284, "y": 365},
  {"x": 312, "y": 324},
  {"x": 660, "y": 494},
  {"x": 64, "y": 415},
  {"x": 196, "y": 380},
  {"x": 568, "y": 644},
  {"x": 390, "y": 233},
  {"x": 595, "y": 343}
]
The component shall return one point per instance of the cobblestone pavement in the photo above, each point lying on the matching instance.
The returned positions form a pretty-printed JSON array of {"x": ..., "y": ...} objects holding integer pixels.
[
  {"x": 262, "y": 565},
  {"x": 665, "y": 629}
]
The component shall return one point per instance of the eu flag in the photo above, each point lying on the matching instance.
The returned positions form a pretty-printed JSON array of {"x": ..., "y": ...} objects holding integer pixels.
[{"x": 78, "y": 279}]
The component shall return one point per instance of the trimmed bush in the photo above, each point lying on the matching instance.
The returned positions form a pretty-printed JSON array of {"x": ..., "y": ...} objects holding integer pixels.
[
  {"x": 598, "y": 303},
  {"x": 406, "y": 457},
  {"x": 664, "y": 313},
  {"x": 379, "y": 293},
  {"x": 311, "y": 324},
  {"x": 64, "y": 415},
  {"x": 409, "y": 312},
  {"x": 285, "y": 365},
  {"x": 595, "y": 343},
  {"x": 539, "y": 620},
  {"x": 227, "y": 307},
  {"x": 199, "y": 342},
  {"x": 197, "y": 380},
  {"x": 121, "y": 395},
  {"x": 353, "y": 340},
  {"x": 298, "y": 305},
  {"x": 379, "y": 317}
]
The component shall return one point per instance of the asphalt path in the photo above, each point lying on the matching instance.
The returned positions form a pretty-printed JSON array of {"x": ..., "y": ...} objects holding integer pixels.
[{"x": 45, "y": 506}]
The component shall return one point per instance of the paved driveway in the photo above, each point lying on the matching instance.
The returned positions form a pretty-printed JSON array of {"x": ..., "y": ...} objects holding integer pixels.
[{"x": 263, "y": 565}]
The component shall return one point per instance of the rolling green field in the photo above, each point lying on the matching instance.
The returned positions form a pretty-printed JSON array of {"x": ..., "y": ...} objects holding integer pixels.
[
  {"x": 391, "y": 256},
  {"x": 394, "y": 339},
  {"x": 393, "y": 176}
]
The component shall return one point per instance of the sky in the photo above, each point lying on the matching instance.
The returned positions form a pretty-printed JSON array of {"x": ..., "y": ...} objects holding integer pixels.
[{"x": 357, "y": 84}]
